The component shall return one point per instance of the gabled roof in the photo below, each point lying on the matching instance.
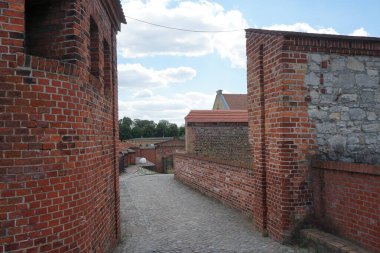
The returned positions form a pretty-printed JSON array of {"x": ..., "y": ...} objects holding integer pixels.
[
  {"x": 230, "y": 101},
  {"x": 214, "y": 116},
  {"x": 236, "y": 101}
]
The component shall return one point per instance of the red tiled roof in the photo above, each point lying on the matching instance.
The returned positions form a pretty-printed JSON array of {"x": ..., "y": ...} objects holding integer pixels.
[
  {"x": 198, "y": 116},
  {"x": 236, "y": 101}
]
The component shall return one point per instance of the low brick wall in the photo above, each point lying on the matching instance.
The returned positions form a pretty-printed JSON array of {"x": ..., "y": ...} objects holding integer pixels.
[
  {"x": 347, "y": 201},
  {"x": 227, "y": 183}
]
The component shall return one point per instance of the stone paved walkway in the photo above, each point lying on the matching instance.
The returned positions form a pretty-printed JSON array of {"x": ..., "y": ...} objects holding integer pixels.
[{"x": 159, "y": 214}]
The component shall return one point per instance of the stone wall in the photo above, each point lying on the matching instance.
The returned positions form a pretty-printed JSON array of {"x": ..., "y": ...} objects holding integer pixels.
[
  {"x": 220, "y": 141},
  {"x": 345, "y": 106}
]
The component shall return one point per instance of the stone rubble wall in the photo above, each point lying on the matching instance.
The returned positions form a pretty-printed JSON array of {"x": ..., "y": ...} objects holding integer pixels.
[
  {"x": 345, "y": 106},
  {"x": 222, "y": 142}
]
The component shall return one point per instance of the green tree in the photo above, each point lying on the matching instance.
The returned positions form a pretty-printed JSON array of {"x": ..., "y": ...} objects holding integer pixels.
[
  {"x": 173, "y": 130},
  {"x": 125, "y": 131},
  {"x": 162, "y": 128},
  {"x": 181, "y": 131},
  {"x": 138, "y": 128},
  {"x": 143, "y": 128}
]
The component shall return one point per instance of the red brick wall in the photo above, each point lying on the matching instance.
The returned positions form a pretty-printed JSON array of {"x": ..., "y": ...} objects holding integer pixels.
[
  {"x": 281, "y": 134},
  {"x": 166, "y": 149},
  {"x": 347, "y": 201},
  {"x": 58, "y": 133},
  {"x": 149, "y": 154},
  {"x": 230, "y": 184}
]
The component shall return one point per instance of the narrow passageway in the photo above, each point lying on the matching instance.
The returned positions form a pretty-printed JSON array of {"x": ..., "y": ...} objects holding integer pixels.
[{"x": 159, "y": 214}]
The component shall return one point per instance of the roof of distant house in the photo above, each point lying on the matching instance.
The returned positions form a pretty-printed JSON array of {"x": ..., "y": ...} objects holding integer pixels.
[
  {"x": 152, "y": 140},
  {"x": 236, "y": 101},
  {"x": 230, "y": 101},
  {"x": 203, "y": 116},
  {"x": 125, "y": 145}
]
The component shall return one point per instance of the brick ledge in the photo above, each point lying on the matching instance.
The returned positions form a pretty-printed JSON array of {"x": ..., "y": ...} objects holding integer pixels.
[
  {"x": 325, "y": 242},
  {"x": 349, "y": 167}
]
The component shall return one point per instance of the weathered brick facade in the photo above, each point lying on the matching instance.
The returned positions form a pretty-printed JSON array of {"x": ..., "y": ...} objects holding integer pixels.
[
  {"x": 58, "y": 128},
  {"x": 303, "y": 104}
]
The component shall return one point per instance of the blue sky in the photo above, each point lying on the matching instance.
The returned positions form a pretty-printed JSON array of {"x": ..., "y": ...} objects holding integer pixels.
[{"x": 163, "y": 73}]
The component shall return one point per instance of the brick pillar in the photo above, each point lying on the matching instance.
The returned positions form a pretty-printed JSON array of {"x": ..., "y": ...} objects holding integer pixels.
[
  {"x": 280, "y": 133},
  {"x": 256, "y": 112}
]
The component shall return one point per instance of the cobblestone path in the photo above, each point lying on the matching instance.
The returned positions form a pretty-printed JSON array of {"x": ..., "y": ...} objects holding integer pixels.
[{"x": 159, "y": 214}]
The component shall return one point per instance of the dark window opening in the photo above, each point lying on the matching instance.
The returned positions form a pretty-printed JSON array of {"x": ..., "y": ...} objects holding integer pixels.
[
  {"x": 43, "y": 28},
  {"x": 107, "y": 69},
  {"x": 94, "y": 48}
]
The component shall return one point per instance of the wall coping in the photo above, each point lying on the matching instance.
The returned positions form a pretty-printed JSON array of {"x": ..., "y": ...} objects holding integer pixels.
[
  {"x": 348, "y": 167},
  {"x": 323, "y": 43},
  {"x": 312, "y": 35},
  {"x": 217, "y": 116},
  {"x": 213, "y": 160}
]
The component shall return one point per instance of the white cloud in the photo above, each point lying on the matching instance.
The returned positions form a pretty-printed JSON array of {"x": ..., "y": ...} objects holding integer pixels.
[
  {"x": 140, "y": 40},
  {"x": 145, "y": 93},
  {"x": 136, "y": 76},
  {"x": 360, "y": 32},
  {"x": 301, "y": 27},
  {"x": 173, "y": 108}
]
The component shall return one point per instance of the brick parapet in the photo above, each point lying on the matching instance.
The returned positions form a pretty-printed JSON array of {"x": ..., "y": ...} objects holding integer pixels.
[
  {"x": 346, "y": 198},
  {"x": 231, "y": 184}
]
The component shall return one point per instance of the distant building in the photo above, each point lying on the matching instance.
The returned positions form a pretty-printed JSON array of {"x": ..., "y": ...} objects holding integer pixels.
[
  {"x": 149, "y": 142},
  {"x": 156, "y": 150},
  {"x": 230, "y": 101},
  {"x": 127, "y": 154}
]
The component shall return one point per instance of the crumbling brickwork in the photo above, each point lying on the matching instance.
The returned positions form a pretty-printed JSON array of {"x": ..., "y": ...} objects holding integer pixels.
[{"x": 58, "y": 127}]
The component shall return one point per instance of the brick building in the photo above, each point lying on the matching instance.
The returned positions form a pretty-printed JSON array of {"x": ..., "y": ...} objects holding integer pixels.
[
  {"x": 59, "y": 128},
  {"x": 127, "y": 154},
  {"x": 314, "y": 129}
]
